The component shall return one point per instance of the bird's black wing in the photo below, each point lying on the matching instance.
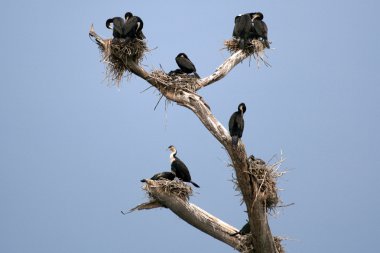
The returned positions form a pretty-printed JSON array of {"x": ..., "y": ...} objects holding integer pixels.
[
  {"x": 240, "y": 125},
  {"x": 260, "y": 29},
  {"x": 180, "y": 170},
  {"x": 163, "y": 175},
  {"x": 131, "y": 26},
  {"x": 185, "y": 64},
  {"x": 232, "y": 122},
  {"x": 242, "y": 26},
  {"x": 235, "y": 31},
  {"x": 118, "y": 27}
]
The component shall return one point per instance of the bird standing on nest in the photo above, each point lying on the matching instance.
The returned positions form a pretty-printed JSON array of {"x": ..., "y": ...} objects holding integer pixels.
[
  {"x": 259, "y": 28},
  {"x": 134, "y": 26},
  {"x": 118, "y": 27},
  {"x": 185, "y": 64},
  {"x": 166, "y": 175},
  {"x": 242, "y": 29},
  {"x": 179, "y": 168},
  {"x": 236, "y": 124}
]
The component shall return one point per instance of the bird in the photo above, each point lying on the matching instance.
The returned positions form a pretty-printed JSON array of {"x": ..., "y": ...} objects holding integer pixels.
[
  {"x": 259, "y": 28},
  {"x": 236, "y": 124},
  {"x": 246, "y": 229},
  {"x": 133, "y": 26},
  {"x": 242, "y": 29},
  {"x": 179, "y": 168},
  {"x": 185, "y": 64},
  {"x": 166, "y": 175},
  {"x": 118, "y": 27}
]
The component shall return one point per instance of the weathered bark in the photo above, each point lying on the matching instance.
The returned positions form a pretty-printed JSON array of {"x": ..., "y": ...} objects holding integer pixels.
[
  {"x": 262, "y": 237},
  {"x": 194, "y": 215}
]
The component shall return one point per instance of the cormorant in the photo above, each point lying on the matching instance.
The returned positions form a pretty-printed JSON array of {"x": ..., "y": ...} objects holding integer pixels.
[
  {"x": 236, "y": 124},
  {"x": 242, "y": 29},
  {"x": 259, "y": 28},
  {"x": 118, "y": 27},
  {"x": 168, "y": 175},
  {"x": 246, "y": 229},
  {"x": 179, "y": 168},
  {"x": 133, "y": 26},
  {"x": 185, "y": 64}
]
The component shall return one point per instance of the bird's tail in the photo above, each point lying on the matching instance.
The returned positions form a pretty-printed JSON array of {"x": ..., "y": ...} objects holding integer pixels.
[
  {"x": 266, "y": 43},
  {"x": 196, "y": 75},
  {"x": 143, "y": 181},
  {"x": 235, "y": 140},
  {"x": 196, "y": 185},
  {"x": 238, "y": 232}
]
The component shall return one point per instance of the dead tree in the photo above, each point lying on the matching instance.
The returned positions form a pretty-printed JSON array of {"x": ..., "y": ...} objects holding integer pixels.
[{"x": 255, "y": 179}]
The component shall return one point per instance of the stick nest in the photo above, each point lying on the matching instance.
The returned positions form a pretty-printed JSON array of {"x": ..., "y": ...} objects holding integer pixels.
[
  {"x": 246, "y": 244},
  {"x": 278, "y": 245},
  {"x": 266, "y": 176},
  {"x": 175, "y": 82},
  {"x": 255, "y": 47},
  {"x": 117, "y": 52},
  {"x": 176, "y": 188}
]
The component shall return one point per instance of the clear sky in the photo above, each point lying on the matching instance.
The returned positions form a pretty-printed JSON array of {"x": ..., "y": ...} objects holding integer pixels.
[{"x": 73, "y": 149}]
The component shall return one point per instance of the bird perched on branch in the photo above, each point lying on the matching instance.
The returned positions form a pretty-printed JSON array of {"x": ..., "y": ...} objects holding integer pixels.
[
  {"x": 259, "y": 28},
  {"x": 236, "y": 124},
  {"x": 185, "y": 64},
  {"x": 118, "y": 27},
  {"x": 246, "y": 229},
  {"x": 133, "y": 26},
  {"x": 179, "y": 168},
  {"x": 166, "y": 175}
]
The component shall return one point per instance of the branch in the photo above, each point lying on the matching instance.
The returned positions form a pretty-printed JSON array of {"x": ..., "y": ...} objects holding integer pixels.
[
  {"x": 262, "y": 239},
  {"x": 223, "y": 69},
  {"x": 191, "y": 213}
]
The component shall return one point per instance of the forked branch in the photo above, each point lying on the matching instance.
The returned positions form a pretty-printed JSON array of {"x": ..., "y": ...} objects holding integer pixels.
[{"x": 262, "y": 239}]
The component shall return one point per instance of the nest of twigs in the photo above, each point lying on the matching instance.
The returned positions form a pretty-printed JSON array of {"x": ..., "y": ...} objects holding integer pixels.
[
  {"x": 175, "y": 187},
  {"x": 175, "y": 82},
  {"x": 278, "y": 245},
  {"x": 246, "y": 244},
  {"x": 117, "y": 52},
  {"x": 255, "y": 47},
  {"x": 266, "y": 176}
]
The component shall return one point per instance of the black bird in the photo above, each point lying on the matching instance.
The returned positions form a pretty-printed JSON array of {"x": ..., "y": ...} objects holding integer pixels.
[
  {"x": 242, "y": 29},
  {"x": 246, "y": 229},
  {"x": 259, "y": 28},
  {"x": 168, "y": 175},
  {"x": 133, "y": 26},
  {"x": 118, "y": 27},
  {"x": 185, "y": 64},
  {"x": 179, "y": 168},
  {"x": 236, "y": 124}
]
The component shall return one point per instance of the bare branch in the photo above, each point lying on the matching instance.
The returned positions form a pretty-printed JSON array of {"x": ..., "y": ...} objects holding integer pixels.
[
  {"x": 193, "y": 214},
  {"x": 223, "y": 69}
]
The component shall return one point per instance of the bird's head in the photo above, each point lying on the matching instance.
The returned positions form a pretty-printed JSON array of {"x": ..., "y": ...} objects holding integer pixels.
[
  {"x": 182, "y": 55},
  {"x": 242, "y": 107},
  {"x": 109, "y": 22},
  {"x": 127, "y": 16},
  {"x": 257, "y": 16},
  {"x": 172, "y": 149}
]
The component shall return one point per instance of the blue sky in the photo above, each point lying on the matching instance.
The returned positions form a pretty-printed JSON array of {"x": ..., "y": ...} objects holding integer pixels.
[{"x": 73, "y": 149}]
